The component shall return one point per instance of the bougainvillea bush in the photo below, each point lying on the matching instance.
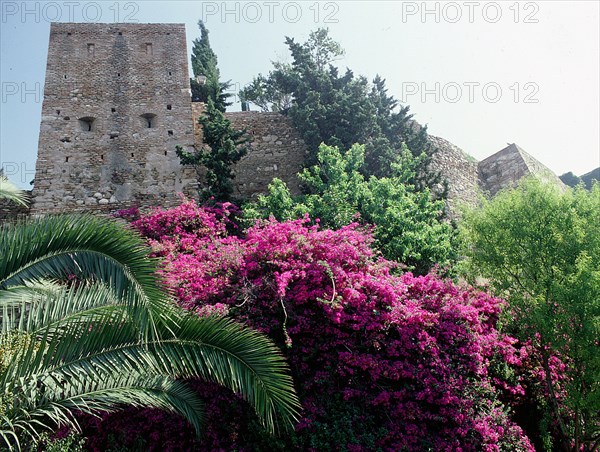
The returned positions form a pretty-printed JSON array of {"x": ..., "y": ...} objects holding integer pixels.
[{"x": 380, "y": 361}]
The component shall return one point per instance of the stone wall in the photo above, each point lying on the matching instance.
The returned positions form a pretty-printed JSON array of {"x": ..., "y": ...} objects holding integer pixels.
[
  {"x": 116, "y": 103},
  {"x": 276, "y": 149},
  {"x": 459, "y": 169},
  {"x": 509, "y": 165}
]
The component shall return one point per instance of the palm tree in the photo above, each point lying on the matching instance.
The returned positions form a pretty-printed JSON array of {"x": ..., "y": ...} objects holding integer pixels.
[
  {"x": 86, "y": 327},
  {"x": 10, "y": 191}
]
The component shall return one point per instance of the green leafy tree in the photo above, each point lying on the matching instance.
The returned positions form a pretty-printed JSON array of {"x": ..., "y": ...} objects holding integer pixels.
[
  {"x": 408, "y": 224},
  {"x": 204, "y": 63},
  {"x": 224, "y": 147},
  {"x": 340, "y": 109},
  {"x": 570, "y": 179},
  {"x": 540, "y": 248},
  {"x": 266, "y": 92},
  {"x": 85, "y": 327}
]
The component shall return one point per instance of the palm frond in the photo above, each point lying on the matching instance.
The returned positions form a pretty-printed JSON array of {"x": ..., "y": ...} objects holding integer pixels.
[
  {"x": 81, "y": 335},
  {"x": 110, "y": 336},
  {"x": 10, "y": 191},
  {"x": 85, "y": 248},
  {"x": 55, "y": 408},
  {"x": 247, "y": 362},
  {"x": 33, "y": 308}
]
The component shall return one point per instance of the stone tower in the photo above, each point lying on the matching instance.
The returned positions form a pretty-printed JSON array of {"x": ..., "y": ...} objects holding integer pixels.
[
  {"x": 116, "y": 104},
  {"x": 508, "y": 166}
]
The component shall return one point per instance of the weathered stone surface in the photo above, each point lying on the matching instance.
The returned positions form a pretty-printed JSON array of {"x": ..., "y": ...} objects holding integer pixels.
[
  {"x": 459, "y": 169},
  {"x": 506, "y": 167},
  {"x": 116, "y": 103},
  {"x": 276, "y": 150}
]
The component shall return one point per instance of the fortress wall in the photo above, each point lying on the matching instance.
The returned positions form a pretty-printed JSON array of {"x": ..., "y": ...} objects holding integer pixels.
[
  {"x": 503, "y": 169},
  {"x": 276, "y": 149},
  {"x": 459, "y": 169},
  {"x": 116, "y": 103}
]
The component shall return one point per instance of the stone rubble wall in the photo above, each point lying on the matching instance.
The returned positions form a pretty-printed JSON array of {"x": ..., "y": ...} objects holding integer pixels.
[
  {"x": 122, "y": 76},
  {"x": 459, "y": 169},
  {"x": 276, "y": 149}
]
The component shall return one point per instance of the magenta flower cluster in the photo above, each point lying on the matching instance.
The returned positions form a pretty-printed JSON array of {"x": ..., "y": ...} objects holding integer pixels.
[{"x": 381, "y": 361}]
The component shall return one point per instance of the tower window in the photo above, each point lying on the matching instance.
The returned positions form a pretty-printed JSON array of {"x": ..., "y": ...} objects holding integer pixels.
[
  {"x": 86, "y": 123},
  {"x": 170, "y": 132},
  {"x": 67, "y": 159},
  {"x": 58, "y": 112},
  {"x": 113, "y": 110},
  {"x": 149, "y": 120},
  {"x": 170, "y": 73},
  {"x": 169, "y": 107},
  {"x": 90, "y": 49},
  {"x": 120, "y": 33},
  {"x": 148, "y": 48}
]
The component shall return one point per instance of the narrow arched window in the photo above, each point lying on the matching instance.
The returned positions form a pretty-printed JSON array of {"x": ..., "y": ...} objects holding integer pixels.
[
  {"x": 148, "y": 120},
  {"x": 87, "y": 123}
]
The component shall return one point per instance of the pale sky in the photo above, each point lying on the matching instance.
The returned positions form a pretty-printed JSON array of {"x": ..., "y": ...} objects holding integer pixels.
[{"x": 480, "y": 74}]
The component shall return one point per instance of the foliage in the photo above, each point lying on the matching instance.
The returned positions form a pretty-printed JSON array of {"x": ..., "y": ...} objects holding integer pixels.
[
  {"x": 342, "y": 109},
  {"x": 540, "y": 248},
  {"x": 570, "y": 179},
  {"x": 11, "y": 192},
  {"x": 265, "y": 91},
  {"x": 70, "y": 443},
  {"x": 86, "y": 328},
  {"x": 204, "y": 63},
  {"x": 408, "y": 224},
  {"x": 225, "y": 147},
  {"x": 590, "y": 178},
  {"x": 382, "y": 362}
]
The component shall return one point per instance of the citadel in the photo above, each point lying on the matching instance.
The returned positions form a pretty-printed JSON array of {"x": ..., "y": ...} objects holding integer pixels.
[{"x": 117, "y": 103}]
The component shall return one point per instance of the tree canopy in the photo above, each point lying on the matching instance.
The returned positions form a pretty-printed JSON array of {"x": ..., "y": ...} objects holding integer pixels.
[
  {"x": 204, "y": 63},
  {"x": 341, "y": 109},
  {"x": 540, "y": 248}
]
